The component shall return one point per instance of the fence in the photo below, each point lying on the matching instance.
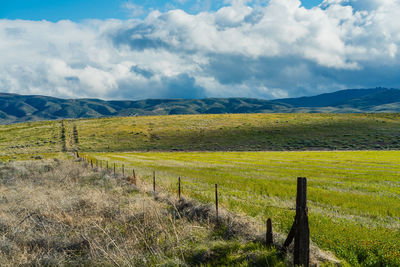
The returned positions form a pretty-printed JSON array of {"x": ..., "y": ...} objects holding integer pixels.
[{"x": 299, "y": 232}]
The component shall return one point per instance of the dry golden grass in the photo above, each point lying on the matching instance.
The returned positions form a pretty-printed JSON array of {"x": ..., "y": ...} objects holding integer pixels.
[{"x": 58, "y": 213}]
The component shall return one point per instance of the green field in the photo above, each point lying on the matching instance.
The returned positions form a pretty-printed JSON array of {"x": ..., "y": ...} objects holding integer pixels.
[
  {"x": 241, "y": 132},
  {"x": 33, "y": 137},
  {"x": 228, "y": 132},
  {"x": 354, "y": 197}
]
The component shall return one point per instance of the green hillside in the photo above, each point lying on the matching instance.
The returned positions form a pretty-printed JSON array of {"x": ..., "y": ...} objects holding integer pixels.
[{"x": 225, "y": 132}]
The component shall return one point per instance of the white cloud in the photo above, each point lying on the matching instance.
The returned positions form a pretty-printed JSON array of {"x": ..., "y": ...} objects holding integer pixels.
[
  {"x": 271, "y": 50},
  {"x": 133, "y": 9}
]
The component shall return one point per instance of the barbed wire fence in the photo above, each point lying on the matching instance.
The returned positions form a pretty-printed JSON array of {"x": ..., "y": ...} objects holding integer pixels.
[{"x": 299, "y": 233}]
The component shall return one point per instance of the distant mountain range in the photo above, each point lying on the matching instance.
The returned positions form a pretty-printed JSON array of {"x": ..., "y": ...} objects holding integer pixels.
[{"x": 20, "y": 108}]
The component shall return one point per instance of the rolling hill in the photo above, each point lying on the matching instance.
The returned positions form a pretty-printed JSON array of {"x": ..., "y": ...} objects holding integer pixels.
[{"x": 20, "y": 108}]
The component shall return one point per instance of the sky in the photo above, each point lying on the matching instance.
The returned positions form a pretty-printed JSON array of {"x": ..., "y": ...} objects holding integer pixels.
[
  {"x": 121, "y": 49},
  {"x": 78, "y": 10}
]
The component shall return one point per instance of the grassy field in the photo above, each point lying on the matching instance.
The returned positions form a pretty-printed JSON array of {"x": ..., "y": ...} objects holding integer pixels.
[
  {"x": 238, "y": 132},
  {"x": 354, "y": 197},
  {"x": 241, "y": 132},
  {"x": 30, "y": 138},
  {"x": 60, "y": 213}
]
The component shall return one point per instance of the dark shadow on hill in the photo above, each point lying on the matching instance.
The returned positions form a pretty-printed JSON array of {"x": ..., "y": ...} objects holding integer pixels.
[{"x": 367, "y": 133}]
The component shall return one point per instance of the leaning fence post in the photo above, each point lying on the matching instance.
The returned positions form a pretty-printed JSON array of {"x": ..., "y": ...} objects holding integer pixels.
[
  {"x": 290, "y": 237},
  {"x": 269, "y": 237},
  {"x": 216, "y": 202},
  {"x": 154, "y": 181},
  {"x": 302, "y": 230},
  {"x": 179, "y": 187}
]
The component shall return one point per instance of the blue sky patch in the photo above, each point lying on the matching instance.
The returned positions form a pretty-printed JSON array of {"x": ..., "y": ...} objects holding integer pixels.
[{"x": 76, "y": 10}]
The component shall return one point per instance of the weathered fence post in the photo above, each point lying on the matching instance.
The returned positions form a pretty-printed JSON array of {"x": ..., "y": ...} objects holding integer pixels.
[
  {"x": 77, "y": 154},
  {"x": 101, "y": 165},
  {"x": 134, "y": 177},
  {"x": 216, "y": 203},
  {"x": 123, "y": 170},
  {"x": 269, "y": 237},
  {"x": 107, "y": 166},
  {"x": 91, "y": 163},
  {"x": 290, "y": 237},
  {"x": 179, "y": 187},
  {"x": 302, "y": 230},
  {"x": 154, "y": 181},
  {"x": 114, "y": 168}
]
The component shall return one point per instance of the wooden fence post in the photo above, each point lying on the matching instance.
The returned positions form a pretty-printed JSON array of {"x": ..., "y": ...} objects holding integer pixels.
[
  {"x": 77, "y": 154},
  {"x": 134, "y": 177},
  {"x": 107, "y": 166},
  {"x": 154, "y": 181},
  {"x": 269, "y": 237},
  {"x": 290, "y": 237},
  {"x": 123, "y": 170},
  {"x": 216, "y": 203},
  {"x": 302, "y": 230},
  {"x": 179, "y": 187},
  {"x": 91, "y": 163},
  {"x": 114, "y": 168}
]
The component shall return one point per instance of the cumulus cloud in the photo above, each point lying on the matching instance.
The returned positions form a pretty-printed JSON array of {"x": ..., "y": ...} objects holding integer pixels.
[{"x": 246, "y": 49}]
